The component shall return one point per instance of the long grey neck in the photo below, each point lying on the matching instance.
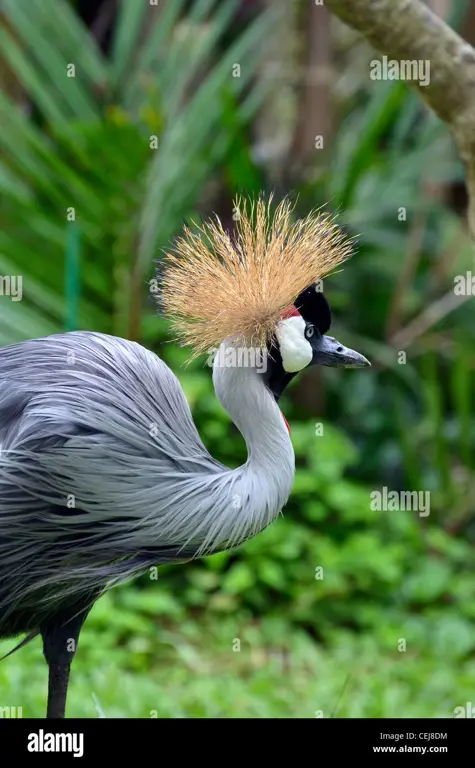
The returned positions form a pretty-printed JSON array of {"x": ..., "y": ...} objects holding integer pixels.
[{"x": 262, "y": 485}]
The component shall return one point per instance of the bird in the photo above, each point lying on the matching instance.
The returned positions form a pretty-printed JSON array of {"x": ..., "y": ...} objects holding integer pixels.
[{"x": 103, "y": 474}]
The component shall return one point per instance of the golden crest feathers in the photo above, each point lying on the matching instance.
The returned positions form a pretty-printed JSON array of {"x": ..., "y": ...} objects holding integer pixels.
[{"x": 214, "y": 287}]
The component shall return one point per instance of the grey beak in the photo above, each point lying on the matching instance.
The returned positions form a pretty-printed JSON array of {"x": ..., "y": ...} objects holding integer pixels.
[{"x": 329, "y": 351}]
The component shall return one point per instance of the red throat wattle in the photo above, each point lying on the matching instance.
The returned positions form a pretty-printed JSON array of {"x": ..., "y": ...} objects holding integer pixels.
[{"x": 289, "y": 312}]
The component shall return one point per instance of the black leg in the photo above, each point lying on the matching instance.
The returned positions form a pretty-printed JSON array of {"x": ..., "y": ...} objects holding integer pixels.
[
  {"x": 57, "y": 689},
  {"x": 60, "y": 638}
]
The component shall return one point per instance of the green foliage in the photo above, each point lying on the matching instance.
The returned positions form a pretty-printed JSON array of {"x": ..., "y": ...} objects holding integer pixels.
[
  {"x": 233, "y": 669},
  {"x": 121, "y": 149}
]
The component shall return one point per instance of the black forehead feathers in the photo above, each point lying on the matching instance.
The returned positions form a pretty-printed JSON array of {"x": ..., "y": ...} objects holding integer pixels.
[{"x": 314, "y": 308}]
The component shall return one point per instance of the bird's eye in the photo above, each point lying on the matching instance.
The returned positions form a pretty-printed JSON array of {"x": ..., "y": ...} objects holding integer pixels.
[{"x": 309, "y": 331}]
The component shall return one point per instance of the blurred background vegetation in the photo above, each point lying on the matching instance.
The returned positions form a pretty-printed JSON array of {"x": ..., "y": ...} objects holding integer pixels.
[{"x": 119, "y": 121}]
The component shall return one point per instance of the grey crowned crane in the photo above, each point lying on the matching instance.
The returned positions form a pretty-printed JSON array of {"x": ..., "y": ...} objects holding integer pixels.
[{"x": 102, "y": 471}]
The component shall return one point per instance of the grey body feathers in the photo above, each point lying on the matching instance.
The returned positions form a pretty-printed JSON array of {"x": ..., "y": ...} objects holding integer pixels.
[{"x": 103, "y": 473}]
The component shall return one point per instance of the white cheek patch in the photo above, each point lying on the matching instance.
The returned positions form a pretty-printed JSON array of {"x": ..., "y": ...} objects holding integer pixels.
[{"x": 296, "y": 351}]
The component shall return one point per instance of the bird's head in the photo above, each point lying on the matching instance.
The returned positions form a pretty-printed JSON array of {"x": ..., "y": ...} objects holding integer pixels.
[
  {"x": 260, "y": 288},
  {"x": 301, "y": 341}
]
